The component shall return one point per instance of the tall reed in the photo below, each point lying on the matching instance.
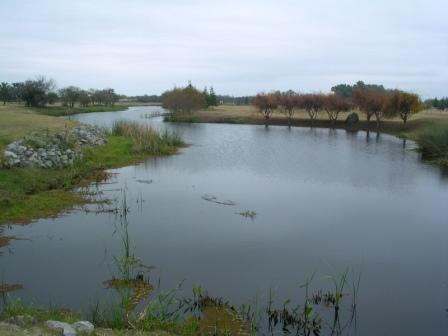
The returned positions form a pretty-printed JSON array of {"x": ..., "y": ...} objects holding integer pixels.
[
  {"x": 146, "y": 139},
  {"x": 433, "y": 141}
]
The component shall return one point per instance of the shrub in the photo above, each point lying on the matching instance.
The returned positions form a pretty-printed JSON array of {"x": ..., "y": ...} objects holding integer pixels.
[{"x": 352, "y": 119}]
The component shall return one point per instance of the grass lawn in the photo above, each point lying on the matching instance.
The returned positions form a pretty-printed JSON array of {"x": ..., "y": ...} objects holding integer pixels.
[
  {"x": 17, "y": 121},
  {"x": 59, "y": 110}
]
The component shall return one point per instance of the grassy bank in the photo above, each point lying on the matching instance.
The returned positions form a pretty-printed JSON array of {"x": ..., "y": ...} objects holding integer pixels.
[
  {"x": 29, "y": 193},
  {"x": 420, "y": 127},
  {"x": 59, "y": 110}
]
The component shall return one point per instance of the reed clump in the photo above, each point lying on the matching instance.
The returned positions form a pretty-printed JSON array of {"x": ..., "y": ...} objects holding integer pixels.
[
  {"x": 433, "y": 142},
  {"x": 146, "y": 139}
]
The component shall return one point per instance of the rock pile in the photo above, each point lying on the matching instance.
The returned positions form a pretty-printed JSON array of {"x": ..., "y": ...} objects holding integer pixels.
[{"x": 52, "y": 151}]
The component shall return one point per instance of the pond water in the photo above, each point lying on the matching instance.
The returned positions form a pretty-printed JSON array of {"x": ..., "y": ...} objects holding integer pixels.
[{"x": 325, "y": 200}]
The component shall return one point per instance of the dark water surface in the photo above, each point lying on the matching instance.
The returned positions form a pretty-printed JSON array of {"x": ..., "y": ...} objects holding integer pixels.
[{"x": 325, "y": 200}]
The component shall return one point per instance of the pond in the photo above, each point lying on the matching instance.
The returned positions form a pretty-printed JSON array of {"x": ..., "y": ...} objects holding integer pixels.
[{"x": 320, "y": 201}]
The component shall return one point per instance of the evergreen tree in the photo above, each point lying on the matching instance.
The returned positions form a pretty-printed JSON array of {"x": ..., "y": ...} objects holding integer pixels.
[{"x": 213, "y": 100}]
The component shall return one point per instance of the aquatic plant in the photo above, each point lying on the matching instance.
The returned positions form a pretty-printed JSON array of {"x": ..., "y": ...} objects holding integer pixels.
[
  {"x": 146, "y": 139},
  {"x": 248, "y": 214}
]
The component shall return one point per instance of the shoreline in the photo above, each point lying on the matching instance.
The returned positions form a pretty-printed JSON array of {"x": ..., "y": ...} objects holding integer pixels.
[
  {"x": 426, "y": 122},
  {"x": 407, "y": 130},
  {"x": 31, "y": 193}
]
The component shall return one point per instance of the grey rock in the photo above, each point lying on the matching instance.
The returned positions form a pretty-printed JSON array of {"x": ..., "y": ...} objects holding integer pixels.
[
  {"x": 65, "y": 328},
  {"x": 84, "y": 326},
  {"x": 52, "y": 151},
  {"x": 9, "y": 154},
  {"x": 21, "y": 149}
]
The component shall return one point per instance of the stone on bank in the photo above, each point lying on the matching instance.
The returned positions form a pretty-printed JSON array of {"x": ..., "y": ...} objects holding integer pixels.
[{"x": 52, "y": 151}]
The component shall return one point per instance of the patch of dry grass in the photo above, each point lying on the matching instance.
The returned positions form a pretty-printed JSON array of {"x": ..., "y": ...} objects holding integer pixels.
[
  {"x": 246, "y": 114},
  {"x": 17, "y": 121},
  {"x": 244, "y": 111}
]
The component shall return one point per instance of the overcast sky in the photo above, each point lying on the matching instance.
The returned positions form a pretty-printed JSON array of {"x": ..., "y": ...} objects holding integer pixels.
[{"x": 239, "y": 47}]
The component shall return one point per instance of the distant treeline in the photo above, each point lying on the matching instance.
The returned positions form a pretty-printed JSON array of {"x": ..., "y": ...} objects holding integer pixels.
[
  {"x": 145, "y": 98},
  {"x": 440, "y": 104},
  {"x": 220, "y": 99},
  {"x": 41, "y": 91},
  {"x": 232, "y": 100}
]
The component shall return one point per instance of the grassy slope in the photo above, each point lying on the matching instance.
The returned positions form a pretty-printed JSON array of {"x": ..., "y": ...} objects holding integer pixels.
[
  {"x": 17, "y": 121},
  {"x": 36, "y": 193},
  {"x": 31, "y": 193},
  {"x": 59, "y": 110}
]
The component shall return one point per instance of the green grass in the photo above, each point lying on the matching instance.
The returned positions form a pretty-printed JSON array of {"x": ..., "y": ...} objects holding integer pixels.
[
  {"x": 29, "y": 193},
  {"x": 15, "y": 307},
  {"x": 59, "y": 110}
]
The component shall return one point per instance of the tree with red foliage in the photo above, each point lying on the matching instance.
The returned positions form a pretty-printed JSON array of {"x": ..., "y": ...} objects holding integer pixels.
[
  {"x": 335, "y": 104},
  {"x": 266, "y": 104},
  {"x": 371, "y": 102},
  {"x": 312, "y": 103},
  {"x": 288, "y": 104}
]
